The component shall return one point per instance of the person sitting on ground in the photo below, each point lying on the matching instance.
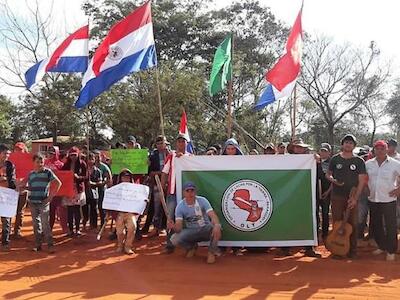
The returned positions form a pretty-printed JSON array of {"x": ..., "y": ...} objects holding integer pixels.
[
  {"x": 195, "y": 221},
  {"x": 39, "y": 198},
  {"x": 125, "y": 220}
]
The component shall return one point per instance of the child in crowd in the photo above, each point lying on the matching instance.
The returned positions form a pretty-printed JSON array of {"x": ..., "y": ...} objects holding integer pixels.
[
  {"x": 125, "y": 220},
  {"x": 39, "y": 197}
]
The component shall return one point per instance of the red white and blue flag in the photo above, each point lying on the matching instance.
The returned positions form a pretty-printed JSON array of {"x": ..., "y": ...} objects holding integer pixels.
[
  {"x": 70, "y": 57},
  {"x": 183, "y": 129},
  {"x": 129, "y": 47},
  {"x": 282, "y": 77}
]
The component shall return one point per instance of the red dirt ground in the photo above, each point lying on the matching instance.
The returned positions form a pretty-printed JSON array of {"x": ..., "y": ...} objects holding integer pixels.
[{"x": 83, "y": 268}]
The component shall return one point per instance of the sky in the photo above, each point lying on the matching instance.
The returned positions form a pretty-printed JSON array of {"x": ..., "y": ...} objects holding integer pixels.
[{"x": 355, "y": 21}]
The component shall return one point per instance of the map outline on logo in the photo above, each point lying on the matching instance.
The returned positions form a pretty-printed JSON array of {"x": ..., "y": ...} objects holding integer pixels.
[
  {"x": 247, "y": 205},
  {"x": 115, "y": 53}
]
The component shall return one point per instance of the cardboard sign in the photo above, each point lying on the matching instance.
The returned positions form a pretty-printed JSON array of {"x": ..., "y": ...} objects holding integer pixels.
[
  {"x": 127, "y": 197},
  {"x": 23, "y": 163},
  {"x": 67, "y": 179},
  {"x": 135, "y": 160},
  {"x": 8, "y": 202}
]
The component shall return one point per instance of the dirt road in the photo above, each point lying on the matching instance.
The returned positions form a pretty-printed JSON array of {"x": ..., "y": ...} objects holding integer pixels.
[{"x": 83, "y": 268}]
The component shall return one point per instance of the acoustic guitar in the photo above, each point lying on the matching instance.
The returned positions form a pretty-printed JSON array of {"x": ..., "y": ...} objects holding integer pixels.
[{"x": 338, "y": 240}]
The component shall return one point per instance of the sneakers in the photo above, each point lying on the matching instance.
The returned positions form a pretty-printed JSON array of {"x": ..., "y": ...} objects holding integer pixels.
[
  {"x": 390, "y": 257},
  {"x": 191, "y": 252},
  {"x": 312, "y": 253},
  {"x": 37, "y": 249},
  {"x": 378, "y": 251},
  {"x": 168, "y": 250},
  {"x": 51, "y": 250},
  {"x": 5, "y": 248},
  {"x": 129, "y": 251},
  {"x": 210, "y": 258}
]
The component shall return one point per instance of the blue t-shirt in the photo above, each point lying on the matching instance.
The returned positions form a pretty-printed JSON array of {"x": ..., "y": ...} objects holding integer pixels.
[
  {"x": 38, "y": 184},
  {"x": 194, "y": 216}
]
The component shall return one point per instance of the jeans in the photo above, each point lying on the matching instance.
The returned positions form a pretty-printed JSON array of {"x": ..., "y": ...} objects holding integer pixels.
[
  {"x": 41, "y": 223},
  {"x": 74, "y": 214},
  {"x": 363, "y": 210},
  {"x": 171, "y": 205},
  {"x": 20, "y": 213},
  {"x": 189, "y": 237},
  {"x": 100, "y": 204},
  {"x": 323, "y": 205},
  {"x": 89, "y": 211},
  {"x": 158, "y": 219},
  {"x": 5, "y": 230},
  {"x": 384, "y": 225},
  {"x": 339, "y": 205}
]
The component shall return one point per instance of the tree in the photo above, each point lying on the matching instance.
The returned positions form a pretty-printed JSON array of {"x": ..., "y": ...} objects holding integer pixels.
[
  {"x": 339, "y": 79},
  {"x": 7, "y": 110}
]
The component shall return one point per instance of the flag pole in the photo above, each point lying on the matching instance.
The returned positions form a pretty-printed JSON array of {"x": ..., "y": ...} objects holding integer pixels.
[
  {"x": 230, "y": 94},
  {"x": 294, "y": 112},
  {"x": 159, "y": 103}
]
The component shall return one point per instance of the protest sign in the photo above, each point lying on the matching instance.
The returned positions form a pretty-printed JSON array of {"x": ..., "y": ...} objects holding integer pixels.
[
  {"x": 260, "y": 201},
  {"x": 23, "y": 163},
  {"x": 135, "y": 160},
  {"x": 67, "y": 180},
  {"x": 8, "y": 202},
  {"x": 126, "y": 197}
]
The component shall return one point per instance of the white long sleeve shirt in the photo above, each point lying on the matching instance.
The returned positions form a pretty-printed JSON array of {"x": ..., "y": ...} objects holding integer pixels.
[{"x": 382, "y": 179}]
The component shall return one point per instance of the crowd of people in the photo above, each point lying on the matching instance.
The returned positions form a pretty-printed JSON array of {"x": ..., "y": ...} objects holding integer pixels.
[{"x": 373, "y": 173}]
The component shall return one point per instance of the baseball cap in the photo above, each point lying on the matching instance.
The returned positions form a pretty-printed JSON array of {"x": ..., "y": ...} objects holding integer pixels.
[
  {"x": 189, "y": 186},
  {"x": 20, "y": 145},
  {"x": 349, "y": 137},
  {"x": 300, "y": 143},
  {"x": 326, "y": 147},
  {"x": 132, "y": 139},
  {"x": 381, "y": 143},
  {"x": 270, "y": 146},
  {"x": 181, "y": 136}
]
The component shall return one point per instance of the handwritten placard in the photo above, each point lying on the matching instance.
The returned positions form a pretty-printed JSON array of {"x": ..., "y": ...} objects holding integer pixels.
[
  {"x": 8, "y": 202},
  {"x": 23, "y": 163},
  {"x": 127, "y": 197},
  {"x": 135, "y": 160}
]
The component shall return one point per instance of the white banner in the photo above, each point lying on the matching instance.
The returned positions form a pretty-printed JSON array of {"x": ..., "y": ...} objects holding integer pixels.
[
  {"x": 127, "y": 197},
  {"x": 8, "y": 202}
]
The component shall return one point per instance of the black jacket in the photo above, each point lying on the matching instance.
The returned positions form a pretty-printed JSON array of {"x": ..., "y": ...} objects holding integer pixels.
[{"x": 10, "y": 174}]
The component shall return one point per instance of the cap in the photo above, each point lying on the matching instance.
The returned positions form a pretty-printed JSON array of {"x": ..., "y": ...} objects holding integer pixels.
[
  {"x": 126, "y": 172},
  {"x": 300, "y": 143},
  {"x": 20, "y": 145},
  {"x": 326, "y": 147},
  {"x": 181, "y": 136},
  {"x": 392, "y": 142},
  {"x": 132, "y": 139},
  {"x": 281, "y": 144},
  {"x": 270, "y": 146},
  {"x": 349, "y": 137},
  {"x": 381, "y": 143},
  {"x": 189, "y": 186}
]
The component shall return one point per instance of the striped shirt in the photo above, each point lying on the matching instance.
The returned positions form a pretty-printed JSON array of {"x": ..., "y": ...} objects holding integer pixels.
[
  {"x": 38, "y": 184},
  {"x": 169, "y": 168}
]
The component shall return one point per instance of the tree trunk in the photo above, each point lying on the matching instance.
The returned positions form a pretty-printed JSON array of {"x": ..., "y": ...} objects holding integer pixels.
[
  {"x": 373, "y": 132},
  {"x": 55, "y": 133}
]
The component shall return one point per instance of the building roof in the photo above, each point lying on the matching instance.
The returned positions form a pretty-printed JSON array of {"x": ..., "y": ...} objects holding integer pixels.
[{"x": 60, "y": 139}]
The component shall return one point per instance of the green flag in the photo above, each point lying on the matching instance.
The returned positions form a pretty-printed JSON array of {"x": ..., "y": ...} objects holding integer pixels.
[{"x": 221, "y": 71}]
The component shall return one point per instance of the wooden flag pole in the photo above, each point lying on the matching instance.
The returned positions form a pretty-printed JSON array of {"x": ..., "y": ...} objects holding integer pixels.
[
  {"x": 230, "y": 96},
  {"x": 159, "y": 103},
  {"x": 294, "y": 112}
]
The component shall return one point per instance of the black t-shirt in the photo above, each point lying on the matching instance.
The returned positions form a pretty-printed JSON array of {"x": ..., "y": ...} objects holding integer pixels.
[
  {"x": 347, "y": 171},
  {"x": 322, "y": 169}
]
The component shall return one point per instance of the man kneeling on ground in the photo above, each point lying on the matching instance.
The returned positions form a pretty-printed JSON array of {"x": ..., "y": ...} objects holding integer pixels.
[{"x": 195, "y": 221}]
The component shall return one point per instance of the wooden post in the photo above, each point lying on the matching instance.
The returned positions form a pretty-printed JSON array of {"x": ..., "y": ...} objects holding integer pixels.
[
  {"x": 159, "y": 103},
  {"x": 294, "y": 111},
  {"x": 230, "y": 96}
]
